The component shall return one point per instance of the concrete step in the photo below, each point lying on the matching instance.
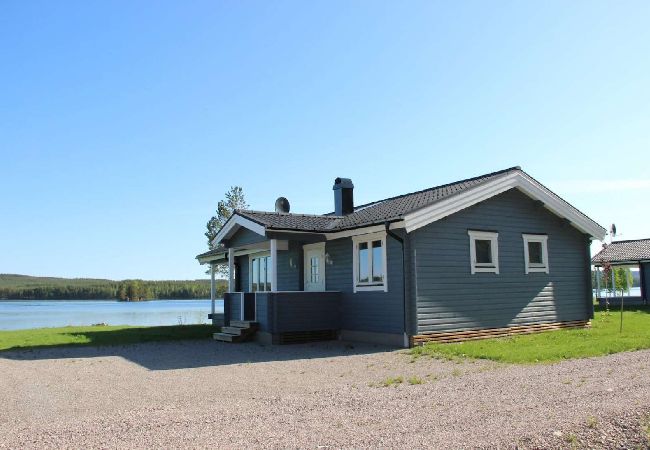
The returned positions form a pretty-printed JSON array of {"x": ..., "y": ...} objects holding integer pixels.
[{"x": 243, "y": 323}]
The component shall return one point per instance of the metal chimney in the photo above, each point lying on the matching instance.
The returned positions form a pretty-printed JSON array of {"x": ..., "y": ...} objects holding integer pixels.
[{"x": 343, "y": 196}]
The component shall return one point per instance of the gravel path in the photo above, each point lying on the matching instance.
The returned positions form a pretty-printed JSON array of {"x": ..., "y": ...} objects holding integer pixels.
[{"x": 209, "y": 394}]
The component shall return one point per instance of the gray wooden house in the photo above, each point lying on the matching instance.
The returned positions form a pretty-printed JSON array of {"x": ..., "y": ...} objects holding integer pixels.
[{"x": 491, "y": 255}]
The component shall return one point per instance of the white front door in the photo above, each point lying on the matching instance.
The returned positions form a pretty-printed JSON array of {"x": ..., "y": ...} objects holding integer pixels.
[{"x": 314, "y": 267}]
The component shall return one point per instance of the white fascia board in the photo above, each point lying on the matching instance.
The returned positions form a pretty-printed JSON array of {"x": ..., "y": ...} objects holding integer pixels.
[
  {"x": 233, "y": 224},
  {"x": 444, "y": 208},
  {"x": 518, "y": 180},
  {"x": 214, "y": 259},
  {"x": 560, "y": 208},
  {"x": 365, "y": 230},
  {"x": 346, "y": 233}
]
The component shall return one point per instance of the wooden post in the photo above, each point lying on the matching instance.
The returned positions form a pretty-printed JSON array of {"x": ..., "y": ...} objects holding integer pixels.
[
  {"x": 212, "y": 289},
  {"x": 642, "y": 282},
  {"x": 274, "y": 265},
  {"x": 226, "y": 309},
  {"x": 231, "y": 270}
]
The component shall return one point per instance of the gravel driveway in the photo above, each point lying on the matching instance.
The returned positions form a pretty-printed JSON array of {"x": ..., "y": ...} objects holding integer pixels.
[{"x": 210, "y": 394}]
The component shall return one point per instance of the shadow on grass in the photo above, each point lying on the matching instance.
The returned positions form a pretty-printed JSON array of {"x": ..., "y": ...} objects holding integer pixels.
[{"x": 187, "y": 346}]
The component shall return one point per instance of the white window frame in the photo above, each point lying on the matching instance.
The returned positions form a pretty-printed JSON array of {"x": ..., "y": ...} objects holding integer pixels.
[
  {"x": 368, "y": 238},
  {"x": 536, "y": 267},
  {"x": 494, "y": 248},
  {"x": 252, "y": 256}
]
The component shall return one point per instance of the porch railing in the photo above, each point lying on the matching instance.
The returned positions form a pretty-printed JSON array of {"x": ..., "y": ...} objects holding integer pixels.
[{"x": 285, "y": 312}]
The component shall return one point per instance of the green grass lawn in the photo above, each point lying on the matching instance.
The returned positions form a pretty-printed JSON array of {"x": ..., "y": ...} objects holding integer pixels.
[
  {"x": 603, "y": 338},
  {"x": 100, "y": 335}
]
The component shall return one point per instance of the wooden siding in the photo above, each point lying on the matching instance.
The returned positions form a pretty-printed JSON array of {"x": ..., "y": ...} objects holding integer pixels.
[
  {"x": 447, "y": 297},
  {"x": 234, "y": 303},
  {"x": 377, "y": 311},
  {"x": 284, "y": 312},
  {"x": 244, "y": 236},
  {"x": 262, "y": 311},
  {"x": 290, "y": 278},
  {"x": 244, "y": 268}
]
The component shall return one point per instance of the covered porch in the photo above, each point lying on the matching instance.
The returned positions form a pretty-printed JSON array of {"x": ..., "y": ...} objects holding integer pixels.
[
  {"x": 623, "y": 254},
  {"x": 286, "y": 317},
  {"x": 276, "y": 284}
]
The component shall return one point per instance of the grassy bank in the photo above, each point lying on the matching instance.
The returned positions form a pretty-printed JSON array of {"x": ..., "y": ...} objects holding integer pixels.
[
  {"x": 603, "y": 338},
  {"x": 99, "y": 335}
]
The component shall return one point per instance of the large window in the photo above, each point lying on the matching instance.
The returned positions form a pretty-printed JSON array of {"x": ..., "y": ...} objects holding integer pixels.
[
  {"x": 535, "y": 252},
  {"x": 484, "y": 251},
  {"x": 369, "y": 262},
  {"x": 260, "y": 273}
]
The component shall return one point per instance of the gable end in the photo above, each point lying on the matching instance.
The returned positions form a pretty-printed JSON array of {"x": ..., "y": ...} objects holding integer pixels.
[{"x": 518, "y": 180}]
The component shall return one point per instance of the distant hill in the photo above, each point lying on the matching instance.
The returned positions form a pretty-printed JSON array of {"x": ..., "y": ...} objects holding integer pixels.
[{"x": 15, "y": 287}]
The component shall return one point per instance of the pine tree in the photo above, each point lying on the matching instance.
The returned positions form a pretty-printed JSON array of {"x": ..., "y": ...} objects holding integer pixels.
[{"x": 234, "y": 199}]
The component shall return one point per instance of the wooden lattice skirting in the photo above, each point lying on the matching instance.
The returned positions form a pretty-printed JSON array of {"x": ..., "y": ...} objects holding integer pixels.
[{"x": 457, "y": 336}]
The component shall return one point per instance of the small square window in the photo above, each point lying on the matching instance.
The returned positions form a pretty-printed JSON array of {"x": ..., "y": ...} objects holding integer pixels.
[
  {"x": 535, "y": 253},
  {"x": 484, "y": 251}
]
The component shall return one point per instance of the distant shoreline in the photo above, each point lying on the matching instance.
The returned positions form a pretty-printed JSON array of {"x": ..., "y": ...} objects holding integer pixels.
[
  {"x": 103, "y": 300},
  {"x": 26, "y": 287}
]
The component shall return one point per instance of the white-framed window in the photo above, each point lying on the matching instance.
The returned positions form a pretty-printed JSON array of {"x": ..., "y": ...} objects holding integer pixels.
[
  {"x": 260, "y": 272},
  {"x": 483, "y": 251},
  {"x": 535, "y": 252},
  {"x": 369, "y": 262}
]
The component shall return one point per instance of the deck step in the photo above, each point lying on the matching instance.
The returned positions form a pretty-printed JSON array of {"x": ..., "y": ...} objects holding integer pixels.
[
  {"x": 238, "y": 331},
  {"x": 243, "y": 323},
  {"x": 225, "y": 337},
  {"x": 234, "y": 330}
]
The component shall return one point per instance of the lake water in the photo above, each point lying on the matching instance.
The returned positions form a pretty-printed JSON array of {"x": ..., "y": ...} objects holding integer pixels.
[
  {"x": 21, "y": 314},
  {"x": 634, "y": 292}
]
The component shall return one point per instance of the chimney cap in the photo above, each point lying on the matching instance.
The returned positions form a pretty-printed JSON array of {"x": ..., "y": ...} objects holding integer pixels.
[{"x": 343, "y": 183}]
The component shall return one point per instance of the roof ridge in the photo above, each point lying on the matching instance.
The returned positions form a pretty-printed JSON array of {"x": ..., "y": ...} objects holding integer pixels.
[
  {"x": 491, "y": 174},
  {"x": 253, "y": 211},
  {"x": 624, "y": 241}
]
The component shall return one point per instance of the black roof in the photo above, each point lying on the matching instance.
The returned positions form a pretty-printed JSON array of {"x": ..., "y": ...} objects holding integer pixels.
[
  {"x": 387, "y": 210},
  {"x": 624, "y": 251}
]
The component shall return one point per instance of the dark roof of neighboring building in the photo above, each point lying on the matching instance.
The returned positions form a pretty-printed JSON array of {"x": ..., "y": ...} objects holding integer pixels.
[
  {"x": 379, "y": 212},
  {"x": 624, "y": 251},
  {"x": 214, "y": 252}
]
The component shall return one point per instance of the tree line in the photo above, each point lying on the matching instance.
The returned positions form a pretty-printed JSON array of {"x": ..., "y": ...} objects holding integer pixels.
[{"x": 20, "y": 287}]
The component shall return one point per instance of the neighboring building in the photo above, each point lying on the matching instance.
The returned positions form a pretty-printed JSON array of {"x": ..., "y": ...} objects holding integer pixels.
[
  {"x": 495, "y": 254},
  {"x": 625, "y": 253}
]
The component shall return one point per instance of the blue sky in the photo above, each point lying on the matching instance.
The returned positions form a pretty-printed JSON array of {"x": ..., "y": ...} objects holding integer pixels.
[{"x": 123, "y": 123}]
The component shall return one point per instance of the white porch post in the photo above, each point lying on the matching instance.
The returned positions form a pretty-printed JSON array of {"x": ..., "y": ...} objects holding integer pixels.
[
  {"x": 598, "y": 272},
  {"x": 274, "y": 265},
  {"x": 231, "y": 270},
  {"x": 212, "y": 287},
  {"x": 613, "y": 283}
]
